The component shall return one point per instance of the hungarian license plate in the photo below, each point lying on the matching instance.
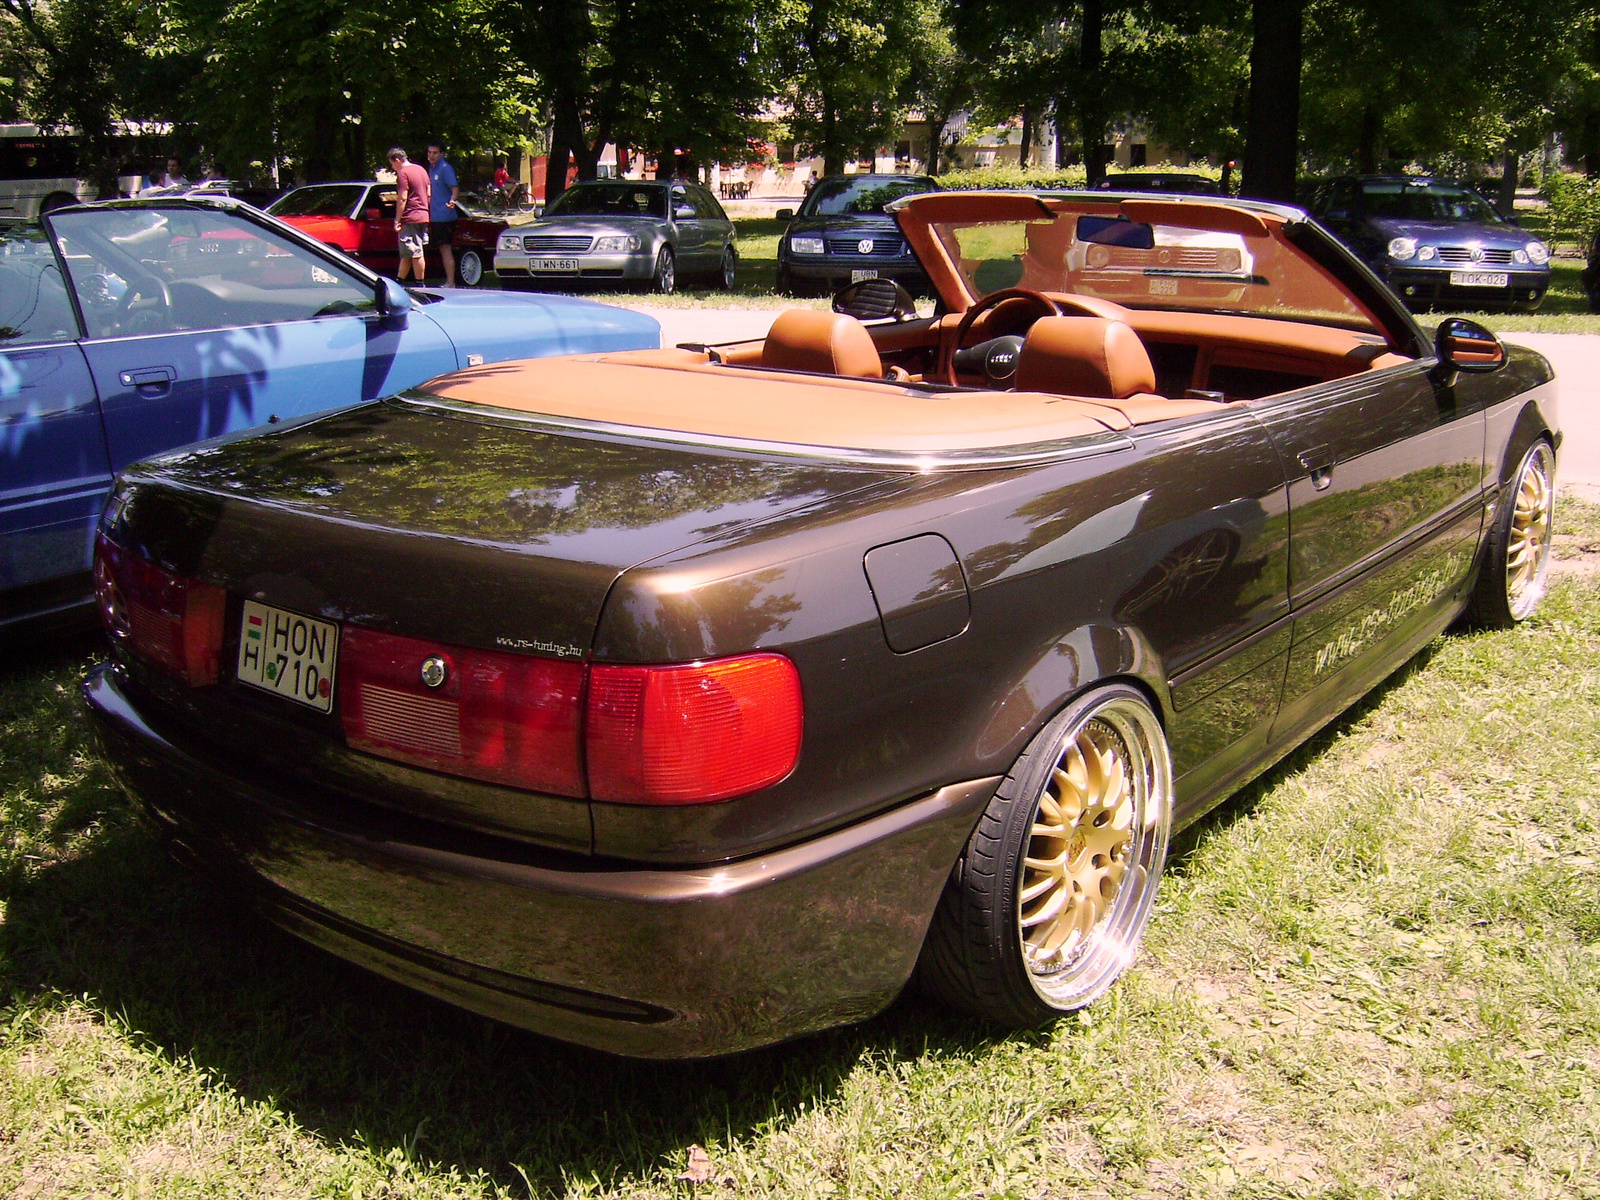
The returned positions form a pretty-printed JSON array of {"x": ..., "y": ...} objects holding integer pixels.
[
  {"x": 1160, "y": 286},
  {"x": 1479, "y": 279},
  {"x": 858, "y": 276},
  {"x": 567, "y": 265},
  {"x": 289, "y": 655}
]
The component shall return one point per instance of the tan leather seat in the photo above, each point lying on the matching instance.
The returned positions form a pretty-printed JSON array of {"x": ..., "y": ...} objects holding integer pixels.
[
  {"x": 1084, "y": 356},
  {"x": 808, "y": 339}
]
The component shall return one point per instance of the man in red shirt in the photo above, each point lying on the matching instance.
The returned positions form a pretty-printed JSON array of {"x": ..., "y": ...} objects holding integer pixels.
[{"x": 410, "y": 213}]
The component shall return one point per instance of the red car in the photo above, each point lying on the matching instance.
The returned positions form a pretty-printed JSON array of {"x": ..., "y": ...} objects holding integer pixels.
[{"x": 358, "y": 218}]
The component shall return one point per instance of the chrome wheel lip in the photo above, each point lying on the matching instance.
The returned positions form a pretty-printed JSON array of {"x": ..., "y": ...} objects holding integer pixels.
[
  {"x": 475, "y": 270},
  {"x": 1528, "y": 537},
  {"x": 666, "y": 273},
  {"x": 1112, "y": 944}
]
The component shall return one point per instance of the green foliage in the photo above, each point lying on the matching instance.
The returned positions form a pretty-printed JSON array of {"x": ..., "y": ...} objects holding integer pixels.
[
  {"x": 990, "y": 178},
  {"x": 1574, "y": 209},
  {"x": 843, "y": 67}
]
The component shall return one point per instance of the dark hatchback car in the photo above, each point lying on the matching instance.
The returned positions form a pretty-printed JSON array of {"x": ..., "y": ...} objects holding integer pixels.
[
  {"x": 1179, "y": 182},
  {"x": 841, "y": 235},
  {"x": 1436, "y": 242}
]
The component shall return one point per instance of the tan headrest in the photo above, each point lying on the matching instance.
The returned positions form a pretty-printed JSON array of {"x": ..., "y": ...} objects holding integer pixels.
[
  {"x": 1084, "y": 356},
  {"x": 808, "y": 339}
]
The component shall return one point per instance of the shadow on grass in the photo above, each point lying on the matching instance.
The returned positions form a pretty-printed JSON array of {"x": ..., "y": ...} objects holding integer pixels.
[{"x": 360, "y": 1061}]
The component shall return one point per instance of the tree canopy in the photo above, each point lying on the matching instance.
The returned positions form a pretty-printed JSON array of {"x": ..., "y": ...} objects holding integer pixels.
[{"x": 324, "y": 87}]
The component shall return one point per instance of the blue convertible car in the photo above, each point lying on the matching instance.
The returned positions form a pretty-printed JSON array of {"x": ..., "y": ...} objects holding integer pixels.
[{"x": 133, "y": 327}]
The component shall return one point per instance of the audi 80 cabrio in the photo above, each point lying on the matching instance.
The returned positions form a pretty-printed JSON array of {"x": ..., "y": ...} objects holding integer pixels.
[{"x": 681, "y": 701}]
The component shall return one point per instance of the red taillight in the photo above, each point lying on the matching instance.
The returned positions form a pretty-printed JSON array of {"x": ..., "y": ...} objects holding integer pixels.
[
  {"x": 164, "y": 618},
  {"x": 506, "y": 718},
  {"x": 694, "y": 733}
]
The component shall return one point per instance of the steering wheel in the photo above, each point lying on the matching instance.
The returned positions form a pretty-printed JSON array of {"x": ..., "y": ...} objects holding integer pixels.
[
  {"x": 129, "y": 321},
  {"x": 1054, "y": 306}
]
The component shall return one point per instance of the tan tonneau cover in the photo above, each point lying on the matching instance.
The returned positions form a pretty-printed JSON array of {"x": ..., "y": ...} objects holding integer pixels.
[{"x": 683, "y": 392}]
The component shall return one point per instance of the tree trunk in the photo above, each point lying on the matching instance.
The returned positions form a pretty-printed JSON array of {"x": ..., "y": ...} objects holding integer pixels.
[
  {"x": 318, "y": 166},
  {"x": 1591, "y": 143},
  {"x": 1091, "y": 111},
  {"x": 1063, "y": 108},
  {"x": 1367, "y": 149},
  {"x": 935, "y": 136},
  {"x": 1025, "y": 154},
  {"x": 1272, "y": 137},
  {"x": 1508, "y": 182},
  {"x": 832, "y": 152}
]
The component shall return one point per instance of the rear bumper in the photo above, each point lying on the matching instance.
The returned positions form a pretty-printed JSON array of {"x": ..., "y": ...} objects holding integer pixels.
[{"x": 657, "y": 963}]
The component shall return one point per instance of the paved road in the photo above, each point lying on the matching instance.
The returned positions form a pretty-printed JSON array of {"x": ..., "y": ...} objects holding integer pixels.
[{"x": 1576, "y": 358}]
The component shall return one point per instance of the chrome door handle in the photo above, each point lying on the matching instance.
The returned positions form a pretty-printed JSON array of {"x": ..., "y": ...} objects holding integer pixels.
[{"x": 1318, "y": 463}]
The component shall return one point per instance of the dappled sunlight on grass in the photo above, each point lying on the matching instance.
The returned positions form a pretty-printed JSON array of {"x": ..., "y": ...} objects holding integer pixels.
[{"x": 1373, "y": 973}]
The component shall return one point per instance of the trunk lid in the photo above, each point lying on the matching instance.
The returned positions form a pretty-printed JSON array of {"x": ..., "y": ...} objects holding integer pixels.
[{"x": 449, "y": 527}]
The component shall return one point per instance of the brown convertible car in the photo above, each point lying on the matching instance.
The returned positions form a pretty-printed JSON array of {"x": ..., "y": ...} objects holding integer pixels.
[{"x": 681, "y": 701}]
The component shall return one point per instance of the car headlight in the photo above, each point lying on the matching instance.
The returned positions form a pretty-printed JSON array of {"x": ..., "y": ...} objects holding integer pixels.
[
  {"x": 510, "y": 241},
  {"x": 621, "y": 244},
  {"x": 1229, "y": 261},
  {"x": 1520, "y": 257},
  {"x": 1403, "y": 248},
  {"x": 1427, "y": 253},
  {"x": 805, "y": 245},
  {"x": 1538, "y": 253}
]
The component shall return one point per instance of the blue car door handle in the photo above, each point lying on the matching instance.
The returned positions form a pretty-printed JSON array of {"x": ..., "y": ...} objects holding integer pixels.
[{"x": 151, "y": 381}]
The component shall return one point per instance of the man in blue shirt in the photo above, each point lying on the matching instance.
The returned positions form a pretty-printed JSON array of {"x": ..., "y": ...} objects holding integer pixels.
[{"x": 442, "y": 210}]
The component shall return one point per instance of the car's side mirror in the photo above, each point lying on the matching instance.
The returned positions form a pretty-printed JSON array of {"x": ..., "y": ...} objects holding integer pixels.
[
  {"x": 683, "y": 212},
  {"x": 374, "y": 214},
  {"x": 875, "y": 300},
  {"x": 785, "y": 214},
  {"x": 391, "y": 299},
  {"x": 1513, "y": 219},
  {"x": 1463, "y": 345}
]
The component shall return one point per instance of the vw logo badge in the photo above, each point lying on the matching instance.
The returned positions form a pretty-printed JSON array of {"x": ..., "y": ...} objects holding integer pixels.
[
  {"x": 1477, "y": 254},
  {"x": 434, "y": 671},
  {"x": 864, "y": 246}
]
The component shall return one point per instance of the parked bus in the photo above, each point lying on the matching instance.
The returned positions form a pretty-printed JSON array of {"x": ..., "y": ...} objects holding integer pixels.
[{"x": 39, "y": 171}]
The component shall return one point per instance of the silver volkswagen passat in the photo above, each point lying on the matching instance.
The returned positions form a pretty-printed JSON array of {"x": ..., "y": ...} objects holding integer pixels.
[{"x": 645, "y": 233}]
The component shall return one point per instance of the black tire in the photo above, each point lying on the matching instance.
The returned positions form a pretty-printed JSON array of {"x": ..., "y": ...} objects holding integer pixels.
[
  {"x": 56, "y": 200},
  {"x": 664, "y": 279},
  {"x": 989, "y": 950},
  {"x": 785, "y": 283},
  {"x": 470, "y": 268},
  {"x": 1516, "y": 557},
  {"x": 728, "y": 272}
]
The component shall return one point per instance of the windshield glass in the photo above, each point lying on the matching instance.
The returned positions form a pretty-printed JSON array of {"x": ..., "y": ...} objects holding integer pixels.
[
  {"x": 860, "y": 194},
  {"x": 335, "y": 201},
  {"x": 1423, "y": 201},
  {"x": 610, "y": 200},
  {"x": 1179, "y": 267}
]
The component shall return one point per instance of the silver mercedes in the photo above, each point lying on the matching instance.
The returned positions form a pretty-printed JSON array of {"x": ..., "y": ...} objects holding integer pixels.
[{"x": 642, "y": 234}]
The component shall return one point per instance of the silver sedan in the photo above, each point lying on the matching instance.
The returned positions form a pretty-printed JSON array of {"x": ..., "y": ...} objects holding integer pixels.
[{"x": 645, "y": 233}]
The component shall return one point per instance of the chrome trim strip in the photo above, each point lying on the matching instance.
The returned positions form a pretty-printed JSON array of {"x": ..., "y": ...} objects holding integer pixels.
[{"x": 899, "y": 460}]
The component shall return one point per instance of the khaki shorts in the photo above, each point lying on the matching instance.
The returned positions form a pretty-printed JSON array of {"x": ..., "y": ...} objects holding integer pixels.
[{"x": 413, "y": 240}]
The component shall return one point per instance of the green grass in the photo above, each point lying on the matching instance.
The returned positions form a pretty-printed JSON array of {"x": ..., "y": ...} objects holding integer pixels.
[{"x": 1376, "y": 973}]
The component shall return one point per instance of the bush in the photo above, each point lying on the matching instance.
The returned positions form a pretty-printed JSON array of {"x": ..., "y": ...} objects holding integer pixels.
[
  {"x": 1574, "y": 209},
  {"x": 1002, "y": 178}
]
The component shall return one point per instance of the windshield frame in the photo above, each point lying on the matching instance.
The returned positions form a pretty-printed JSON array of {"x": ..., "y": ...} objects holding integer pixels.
[{"x": 1294, "y": 236}]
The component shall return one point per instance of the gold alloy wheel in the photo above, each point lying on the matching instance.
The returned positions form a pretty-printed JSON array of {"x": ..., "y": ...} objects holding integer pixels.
[
  {"x": 1078, "y": 847},
  {"x": 1528, "y": 542},
  {"x": 1095, "y": 849}
]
